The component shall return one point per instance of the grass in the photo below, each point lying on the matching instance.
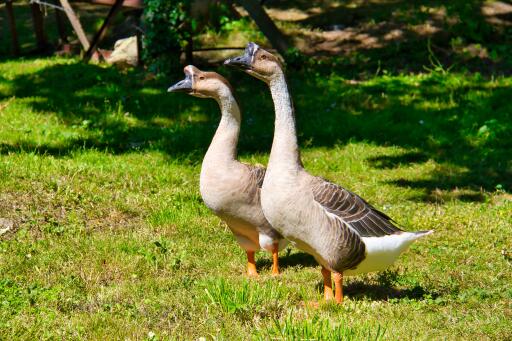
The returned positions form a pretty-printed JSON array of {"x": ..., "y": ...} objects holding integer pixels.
[{"x": 111, "y": 239}]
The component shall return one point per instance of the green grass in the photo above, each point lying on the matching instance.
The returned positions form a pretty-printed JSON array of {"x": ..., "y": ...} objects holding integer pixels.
[{"x": 99, "y": 173}]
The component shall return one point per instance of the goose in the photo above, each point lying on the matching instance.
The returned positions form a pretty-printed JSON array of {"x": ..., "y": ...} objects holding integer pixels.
[
  {"x": 230, "y": 188},
  {"x": 344, "y": 233}
]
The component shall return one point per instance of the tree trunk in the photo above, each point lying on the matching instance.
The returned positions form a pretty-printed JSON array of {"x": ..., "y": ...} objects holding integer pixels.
[
  {"x": 12, "y": 27},
  {"x": 38, "y": 20},
  {"x": 61, "y": 26},
  {"x": 266, "y": 25}
]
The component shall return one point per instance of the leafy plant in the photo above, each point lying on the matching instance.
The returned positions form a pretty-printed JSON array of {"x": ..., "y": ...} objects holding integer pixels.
[
  {"x": 318, "y": 328},
  {"x": 170, "y": 26},
  {"x": 167, "y": 31},
  {"x": 247, "y": 299},
  {"x": 470, "y": 22}
]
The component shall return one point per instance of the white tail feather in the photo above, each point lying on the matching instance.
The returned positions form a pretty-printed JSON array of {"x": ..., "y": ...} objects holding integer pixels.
[{"x": 381, "y": 252}]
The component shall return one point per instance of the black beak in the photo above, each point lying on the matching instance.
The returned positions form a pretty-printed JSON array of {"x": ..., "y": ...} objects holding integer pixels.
[
  {"x": 182, "y": 86},
  {"x": 244, "y": 61}
]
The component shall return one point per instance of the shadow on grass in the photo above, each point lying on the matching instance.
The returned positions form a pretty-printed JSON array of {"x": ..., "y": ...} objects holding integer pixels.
[
  {"x": 115, "y": 112},
  {"x": 393, "y": 161},
  {"x": 289, "y": 260},
  {"x": 383, "y": 292},
  {"x": 383, "y": 289},
  {"x": 461, "y": 122}
]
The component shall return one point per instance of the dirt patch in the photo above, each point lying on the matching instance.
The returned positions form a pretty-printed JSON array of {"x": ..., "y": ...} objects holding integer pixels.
[
  {"x": 43, "y": 213},
  {"x": 337, "y": 29},
  {"x": 341, "y": 28},
  {"x": 498, "y": 13}
]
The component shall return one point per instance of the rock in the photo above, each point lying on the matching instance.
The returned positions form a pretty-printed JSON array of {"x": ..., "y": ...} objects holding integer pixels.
[
  {"x": 125, "y": 52},
  {"x": 5, "y": 225}
]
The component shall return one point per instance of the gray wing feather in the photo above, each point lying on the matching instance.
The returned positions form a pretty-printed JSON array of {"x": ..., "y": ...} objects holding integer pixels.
[
  {"x": 257, "y": 173},
  {"x": 351, "y": 249},
  {"x": 252, "y": 185},
  {"x": 353, "y": 210}
]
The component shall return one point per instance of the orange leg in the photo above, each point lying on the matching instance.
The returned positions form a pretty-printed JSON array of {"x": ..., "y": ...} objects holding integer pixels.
[
  {"x": 327, "y": 284},
  {"x": 275, "y": 259},
  {"x": 338, "y": 282},
  {"x": 251, "y": 265}
]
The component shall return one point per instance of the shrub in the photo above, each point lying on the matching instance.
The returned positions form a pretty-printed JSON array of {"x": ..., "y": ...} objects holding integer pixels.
[{"x": 167, "y": 25}]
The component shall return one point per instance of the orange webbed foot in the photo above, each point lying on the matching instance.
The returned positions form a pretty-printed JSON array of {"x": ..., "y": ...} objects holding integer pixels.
[
  {"x": 328, "y": 294},
  {"x": 275, "y": 259},
  {"x": 338, "y": 282},
  {"x": 251, "y": 265}
]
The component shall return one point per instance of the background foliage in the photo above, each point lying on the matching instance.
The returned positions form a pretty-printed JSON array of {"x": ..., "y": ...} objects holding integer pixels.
[
  {"x": 170, "y": 26},
  {"x": 167, "y": 28}
]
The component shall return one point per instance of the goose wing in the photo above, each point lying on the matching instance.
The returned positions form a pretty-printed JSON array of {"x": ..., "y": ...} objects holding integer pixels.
[
  {"x": 365, "y": 219},
  {"x": 253, "y": 180},
  {"x": 257, "y": 174}
]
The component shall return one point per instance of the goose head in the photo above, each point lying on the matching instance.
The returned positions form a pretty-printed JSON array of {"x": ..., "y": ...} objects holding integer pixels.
[
  {"x": 257, "y": 62},
  {"x": 201, "y": 84}
]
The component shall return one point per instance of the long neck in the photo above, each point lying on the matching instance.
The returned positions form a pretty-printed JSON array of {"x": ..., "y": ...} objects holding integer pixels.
[
  {"x": 285, "y": 150},
  {"x": 225, "y": 140}
]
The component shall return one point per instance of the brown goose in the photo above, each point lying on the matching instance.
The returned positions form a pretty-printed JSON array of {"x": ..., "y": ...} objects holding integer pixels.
[
  {"x": 344, "y": 233},
  {"x": 231, "y": 189}
]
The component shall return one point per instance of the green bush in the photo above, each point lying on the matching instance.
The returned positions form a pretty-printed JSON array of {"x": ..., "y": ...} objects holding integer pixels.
[{"x": 167, "y": 25}]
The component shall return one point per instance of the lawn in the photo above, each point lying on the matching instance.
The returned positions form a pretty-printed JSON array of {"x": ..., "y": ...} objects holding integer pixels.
[
  {"x": 103, "y": 233},
  {"x": 99, "y": 174}
]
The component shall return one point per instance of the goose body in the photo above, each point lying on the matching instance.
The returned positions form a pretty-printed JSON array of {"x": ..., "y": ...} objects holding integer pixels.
[
  {"x": 344, "y": 233},
  {"x": 340, "y": 229},
  {"x": 230, "y": 188}
]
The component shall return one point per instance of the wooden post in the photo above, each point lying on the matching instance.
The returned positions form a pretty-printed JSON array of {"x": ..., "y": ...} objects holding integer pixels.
[
  {"x": 73, "y": 19},
  {"x": 266, "y": 25},
  {"x": 103, "y": 29},
  {"x": 38, "y": 20},
  {"x": 234, "y": 13},
  {"x": 189, "y": 49},
  {"x": 12, "y": 27},
  {"x": 139, "y": 48},
  {"x": 61, "y": 26}
]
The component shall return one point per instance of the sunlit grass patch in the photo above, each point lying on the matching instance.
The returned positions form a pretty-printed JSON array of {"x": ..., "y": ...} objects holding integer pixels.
[
  {"x": 99, "y": 181},
  {"x": 318, "y": 328},
  {"x": 246, "y": 300}
]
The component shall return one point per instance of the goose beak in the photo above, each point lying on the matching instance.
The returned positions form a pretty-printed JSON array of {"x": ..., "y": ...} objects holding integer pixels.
[
  {"x": 182, "y": 86},
  {"x": 244, "y": 61}
]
